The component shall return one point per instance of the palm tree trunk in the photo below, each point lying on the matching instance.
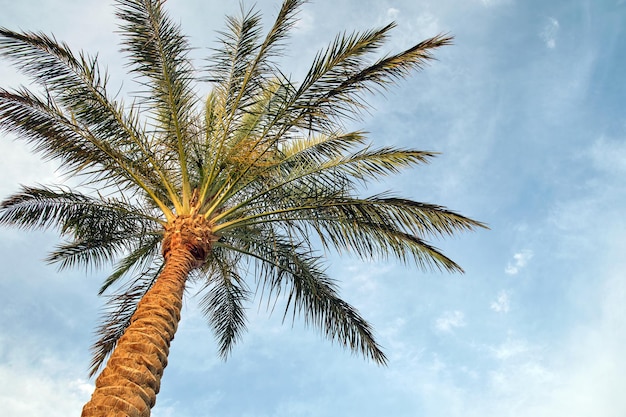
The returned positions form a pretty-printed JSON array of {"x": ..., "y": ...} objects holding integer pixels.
[{"x": 128, "y": 386}]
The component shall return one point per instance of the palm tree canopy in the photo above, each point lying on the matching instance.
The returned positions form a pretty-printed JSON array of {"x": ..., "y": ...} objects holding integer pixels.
[{"x": 265, "y": 161}]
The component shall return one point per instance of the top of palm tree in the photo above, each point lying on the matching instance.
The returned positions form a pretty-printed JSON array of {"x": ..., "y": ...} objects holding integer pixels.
[{"x": 266, "y": 161}]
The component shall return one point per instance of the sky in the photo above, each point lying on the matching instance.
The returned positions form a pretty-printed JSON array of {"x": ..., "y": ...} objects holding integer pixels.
[{"x": 527, "y": 111}]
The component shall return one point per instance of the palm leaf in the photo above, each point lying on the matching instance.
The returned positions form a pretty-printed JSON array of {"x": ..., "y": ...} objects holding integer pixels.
[
  {"x": 72, "y": 212},
  {"x": 139, "y": 259},
  {"x": 77, "y": 84},
  {"x": 225, "y": 293},
  {"x": 310, "y": 293},
  {"x": 158, "y": 52},
  {"x": 335, "y": 85},
  {"x": 100, "y": 230}
]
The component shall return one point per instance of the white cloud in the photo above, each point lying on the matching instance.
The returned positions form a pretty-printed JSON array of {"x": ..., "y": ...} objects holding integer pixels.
[
  {"x": 26, "y": 392},
  {"x": 392, "y": 13},
  {"x": 507, "y": 383},
  {"x": 23, "y": 166},
  {"x": 592, "y": 373},
  {"x": 582, "y": 375},
  {"x": 549, "y": 33},
  {"x": 520, "y": 260},
  {"x": 362, "y": 281},
  {"x": 427, "y": 24},
  {"x": 305, "y": 22},
  {"x": 450, "y": 320},
  {"x": 511, "y": 348},
  {"x": 82, "y": 387},
  {"x": 609, "y": 155},
  {"x": 491, "y": 3},
  {"x": 502, "y": 303}
]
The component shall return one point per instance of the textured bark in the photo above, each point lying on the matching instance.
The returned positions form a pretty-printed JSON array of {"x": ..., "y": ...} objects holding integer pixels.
[{"x": 128, "y": 386}]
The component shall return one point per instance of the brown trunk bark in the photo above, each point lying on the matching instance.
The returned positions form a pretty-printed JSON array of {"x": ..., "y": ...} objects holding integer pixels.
[{"x": 128, "y": 386}]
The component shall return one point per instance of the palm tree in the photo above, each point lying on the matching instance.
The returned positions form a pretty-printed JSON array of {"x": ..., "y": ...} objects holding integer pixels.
[{"x": 173, "y": 189}]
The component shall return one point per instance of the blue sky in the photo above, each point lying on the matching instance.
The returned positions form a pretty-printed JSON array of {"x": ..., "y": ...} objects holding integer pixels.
[{"x": 527, "y": 109}]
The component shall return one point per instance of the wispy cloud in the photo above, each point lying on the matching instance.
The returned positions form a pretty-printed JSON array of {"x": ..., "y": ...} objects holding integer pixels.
[
  {"x": 549, "y": 32},
  {"x": 305, "y": 22},
  {"x": 51, "y": 392},
  {"x": 502, "y": 303},
  {"x": 491, "y": 3},
  {"x": 609, "y": 155},
  {"x": 392, "y": 13},
  {"x": 511, "y": 348},
  {"x": 520, "y": 260},
  {"x": 450, "y": 320}
]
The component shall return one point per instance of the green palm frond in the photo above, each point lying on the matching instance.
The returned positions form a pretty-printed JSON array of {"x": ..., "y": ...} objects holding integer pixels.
[
  {"x": 158, "y": 51},
  {"x": 320, "y": 148},
  {"x": 230, "y": 64},
  {"x": 43, "y": 125},
  {"x": 227, "y": 72},
  {"x": 248, "y": 92},
  {"x": 335, "y": 87},
  {"x": 285, "y": 266},
  {"x": 77, "y": 101},
  {"x": 345, "y": 55},
  {"x": 373, "y": 240},
  {"x": 99, "y": 229},
  {"x": 242, "y": 66},
  {"x": 92, "y": 251},
  {"x": 140, "y": 259},
  {"x": 314, "y": 173},
  {"x": 72, "y": 212},
  {"x": 57, "y": 136},
  {"x": 223, "y": 302},
  {"x": 52, "y": 64},
  {"x": 372, "y": 229}
]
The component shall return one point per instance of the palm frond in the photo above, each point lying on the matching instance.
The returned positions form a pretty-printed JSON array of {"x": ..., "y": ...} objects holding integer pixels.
[
  {"x": 98, "y": 229},
  {"x": 285, "y": 20},
  {"x": 225, "y": 293},
  {"x": 78, "y": 85},
  {"x": 242, "y": 70},
  {"x": 316, "y": 173},
  {"x": 140, "y": 259},
  {"x": 285, "y": 266},
  {"x": 242, "y": 66},
  {"x": 51, "y": 64},
  {"x": 92, "y": 251},
  {"x": 158, "y": 51},
  {"x": 379, "y": 226},
  {"x": 230, "y": 64},
  {"x": 73, "y": 213},
  {"x": 336, "y": 82},
  {"x": 346, "y": 55},
  {"x": 321, "y": 148},
  {"x": 372, "y": 240},
  {"x": 75, "y": 82},
  {"x": 42, "y": 124}
]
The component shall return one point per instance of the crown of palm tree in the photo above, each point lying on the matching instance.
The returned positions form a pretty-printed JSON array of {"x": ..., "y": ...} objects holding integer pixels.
[{"x": 264, "y": 165}]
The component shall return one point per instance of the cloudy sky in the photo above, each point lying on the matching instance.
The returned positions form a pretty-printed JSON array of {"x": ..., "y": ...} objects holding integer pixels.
[{"x": 527, "y": 109}]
